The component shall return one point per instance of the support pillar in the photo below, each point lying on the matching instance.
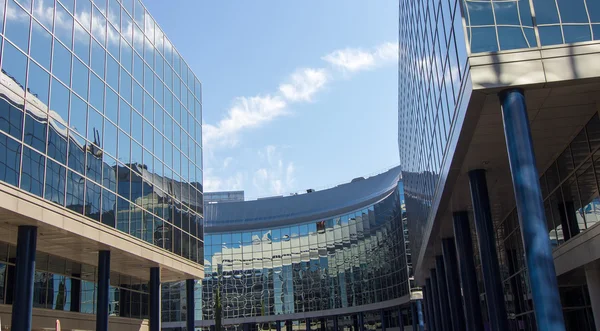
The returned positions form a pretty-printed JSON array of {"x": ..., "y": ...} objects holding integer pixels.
[
  {"x": 440, "y": 317},
  {"x": 432, "y": 284},
  {"x": 592, "y": 275},
  {"x": 155, "y": 318},
  {"x": 443, "y": 293},
  {"x": 382, "y": 317},
  {"x": 288, "y": 325},
  {"x": 24, "y": 276},
  {"x": 190, "y": 301},
  {"x": 490, "y": 267},
  {"x": 103, "y": 289},
  {"x": 530, "y": 208},
  {"x": 307, "y": 321},
  {"x": 278, "y": 326},
  {"x": 335, "y": 323},
  {"x": 427, "y": 307},
  {"x": 420, "y": 323},
  {"x": 466, "y": 268},
  {"x": 361, "y": 321},
  {"x": 453, "y": 284},
  {"x": 400, "y": 319}
]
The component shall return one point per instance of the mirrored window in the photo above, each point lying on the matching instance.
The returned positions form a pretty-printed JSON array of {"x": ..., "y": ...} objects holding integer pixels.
[
  {"x": 38, "y": 86},
  {"x": 61, "y": 64},
  {"x": 56, "y": 178},
  {"x": 32, "y": 173},
  {"x": 99, "y": 27},
  {"x": 126, "y": 26},
  {"x": 78, "y": 115},
  {"x": 43, "y": 11},
  {"x": 112, "y": 105},
  {"x": 14, "y": 64},
  {"x": 63, "y": 26},
  {"x": 82, "y": 44},
  {"x": 75, "y": 192},
  {"x": 125, "y": 117},
  {"x": 10, "y": 160},
  {"x": 80, "y": 79},
  {"x": 35, "y": 130},
  {"x": 95, "y": 128},
  {"x": 93, "y": 200},
  {"x": 112, "y": 73},
  {"x": 114, "y": 12},
  {"x": 59, "y": 101},
  {"x": 83, "y": 12},
  {"x": 41, "y": 45},
  {"x": 110, "y": 138},
  {"x": 136, "y": 126},
  {"x": 98, "y": 57},
  {"x": 57, "y": 140},
  {"x": 11, "y": 118},
  {"x": 125, "y": 86},
  {"x": 113, "y": 41},
  {"x": 124, "y": 148},
  {"x": 17, "y": 25},
  {"x": 138, "y": 97}
]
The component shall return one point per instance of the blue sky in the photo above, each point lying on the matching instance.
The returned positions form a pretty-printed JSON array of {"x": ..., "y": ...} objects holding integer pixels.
[{"x": 296, "y": 94}]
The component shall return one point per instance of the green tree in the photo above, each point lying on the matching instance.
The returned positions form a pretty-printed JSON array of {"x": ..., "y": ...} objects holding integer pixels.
[{"x": 218, "y": 310}]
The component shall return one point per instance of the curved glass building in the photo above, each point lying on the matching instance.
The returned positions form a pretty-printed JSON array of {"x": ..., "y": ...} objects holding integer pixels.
[
  {"x": 100, "y": 161},
  {"x": 325, "y": 257}
]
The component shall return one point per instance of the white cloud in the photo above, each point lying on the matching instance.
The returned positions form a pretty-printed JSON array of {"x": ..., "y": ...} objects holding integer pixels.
[
  {"x": 301, "y": 86},
  {"x": 245, "y": 113},
  {"x": 275, "y": 177},
  {"x": 304, "y": 83},
  {"x": 357, "y": 59},
  {"x": 214, "y": 183},
  {"x": 227, "y": 161}
]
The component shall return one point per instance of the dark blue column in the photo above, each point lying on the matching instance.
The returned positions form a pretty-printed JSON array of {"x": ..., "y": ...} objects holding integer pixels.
[
  {"x": 435, "y": 301},
  {"x": 190, "y": 321},
  {"x": 155, "y": 322},
  {"x": 453, "y": 284},
  {"x": 400, "y": 319},
  {"x": 307, "y": 321},
  {"x": 288, "y": 325},
  {"x": 426, "y": 309},
  {"x": 335, "y": 323},
  {"x": 420, "y": 323},
  {"x": 466, "y": 267},
  {"x": 443, "y": 293},
  {"x": 75, "y": 293},
  {"x": 530, "y": 208},
  {"x": 490, "y": 268},
  {"x": 103, "y": 289},
  {"x": 24, "y": 276},
  {"x": 278, "y": 326},
  {"x": 361, "y": 321},
  {"x": 382, "y": 316}
]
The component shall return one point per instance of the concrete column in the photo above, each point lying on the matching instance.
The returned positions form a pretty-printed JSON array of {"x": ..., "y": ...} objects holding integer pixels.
[
  {"x": 419, "y": 306},
  {"x": 335, "y": 323},
  {"x": 382, "y": 317},
  {"x": 530, "y": 208},
  {"x": 307, "y": 321},
  {"x": 190, "y": 321},
  {"x": 433, "y": 304},
  {"x": 435, "y": 296},
  {"x": 400, "y": 319},
  {"x": 443, "y": 293},
  {"x": 466, "y": 267},
  {"x": 453, "y": 284},
  {"x": 155, "y": 318},
  {"x": 427, "y": 307},
  {"x": 361, "y": 321},
  {"x": 103, "y": 289},
  {"x": 592, "y": 275},
  {"x": 24, "y": 276},
  {"x": 490, "y": 267}
]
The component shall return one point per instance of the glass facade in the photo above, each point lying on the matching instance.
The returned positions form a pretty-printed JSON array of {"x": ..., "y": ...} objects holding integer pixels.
[
  {"x": 61, "y": 284},
  {"x": 100, "y": 114},
  {"x": 432, "y": 79},
  {"x": 502, "y": 25},
  {"x": 349, "y": 260},
  {"x": 300, "y": 263}
]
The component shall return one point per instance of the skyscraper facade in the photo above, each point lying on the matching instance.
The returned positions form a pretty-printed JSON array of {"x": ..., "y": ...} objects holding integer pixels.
[
  {"x": 101, "y": 164},
  {"x": 498, "y": 123}
]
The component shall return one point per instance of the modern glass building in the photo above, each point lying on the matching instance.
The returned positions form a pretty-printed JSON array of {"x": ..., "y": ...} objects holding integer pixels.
[
  {"x": 498, "y": 139},
  {"x": 335, "y": 259},
  {"x": 100, "y": 165}
]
